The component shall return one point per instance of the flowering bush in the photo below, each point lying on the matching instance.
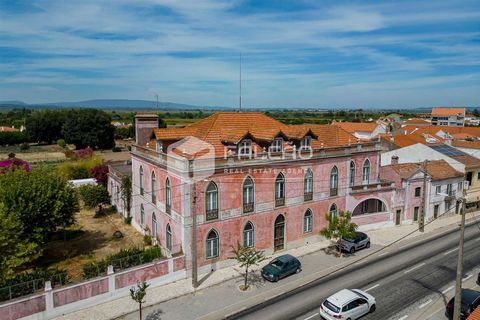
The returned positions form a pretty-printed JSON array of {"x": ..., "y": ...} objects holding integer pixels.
[
  {"x": 84, "y": 153},
  {"x": 12, "y": 164},
  {"x": 100, "y": 173}
]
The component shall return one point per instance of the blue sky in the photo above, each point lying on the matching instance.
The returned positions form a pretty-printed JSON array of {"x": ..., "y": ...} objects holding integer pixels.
[{"x": 369, "y": 54}]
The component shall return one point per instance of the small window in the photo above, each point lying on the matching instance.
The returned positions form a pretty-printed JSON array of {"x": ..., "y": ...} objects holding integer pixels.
[
  {"x": 154, "y": 188},
  {"x": 211, "y": 201},
  {"x": 245, "y": 148},
  {"x": 248, "y": 233},
  {"x": 306, "y": 142},
  {"x": 141, "y": 180},
  {"x": 334, "y": 181},
  {"x": 212, "y": 245},
  {"x": 248, "y": 195},
  {"x": 168, "y": 196},
  {"x": 277, "y": 145},
  {"x": 449, "y": 189},
  {"x": 307, "y": 221},
  {"x": 352, "y": 173},
  {"x": 366, "y": 172},
  {"x": 438, "y": 189},
  {"x": 416, "y": 210},
  {"x": 169, "y": 237},
  {"x": 478, "y": 176},
  {"x": 154, "y": 226},
  {"x": 142, "y": 215},
  {"x": 333, "y": 210},
  {"x": 418, "y": 191},
  {"x": 280, "y": 190},
  {"x": 308, "y": 185},
  {"x": 435, "y": 211}
]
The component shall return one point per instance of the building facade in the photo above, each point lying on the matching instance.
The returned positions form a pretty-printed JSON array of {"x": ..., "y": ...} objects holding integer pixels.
[{"x": 453, "y": 117}]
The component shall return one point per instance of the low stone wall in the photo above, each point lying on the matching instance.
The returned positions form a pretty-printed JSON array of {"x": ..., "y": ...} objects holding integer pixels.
[{"x": 63, "y": 300}]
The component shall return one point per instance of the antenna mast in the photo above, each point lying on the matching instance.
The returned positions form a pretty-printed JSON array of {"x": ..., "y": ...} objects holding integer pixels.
[
  {"x": 156, "y": 96},
  {"x": 240, "y": 84}
]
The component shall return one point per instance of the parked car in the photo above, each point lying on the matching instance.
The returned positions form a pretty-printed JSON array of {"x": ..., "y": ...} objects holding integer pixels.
[
  {"x": 347, "y": 304},
  {"x": 361, "y": 240},
  {"x": 470, "y": 300},
  {"x": 281, "y": 267}
]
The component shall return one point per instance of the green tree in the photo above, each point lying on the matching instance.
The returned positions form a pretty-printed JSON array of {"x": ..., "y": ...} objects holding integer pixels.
[
  {"x": 126, "y": 188},
  {"x": 46, "y": 125},
  {"x": 339, "y": 227},
  {"x": 247, "y": 257},
  {"x": 94, "y": 195},
  {"x": 89, "y": 128},
  {"x": 15, "y": 249},
  {"x": 138, "y": 294}
]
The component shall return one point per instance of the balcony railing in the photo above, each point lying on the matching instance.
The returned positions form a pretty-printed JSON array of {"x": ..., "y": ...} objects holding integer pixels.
[
  {"x": 248, "y": 207},
  {"x": 279, "y": 202},
  {"x": 307, "y": 196},
  {"x": 372, "y": 186},
  {"x": 212, "y": 214},
  {"x": 168, "y": 209},
  {"x": 333, "y": 192}
]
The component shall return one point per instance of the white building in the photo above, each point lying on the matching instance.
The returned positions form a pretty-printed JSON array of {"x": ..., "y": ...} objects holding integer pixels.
[{"x": 454, "y": 117}]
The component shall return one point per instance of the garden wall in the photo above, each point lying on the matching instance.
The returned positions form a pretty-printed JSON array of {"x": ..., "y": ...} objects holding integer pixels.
[{"x": 66, "y": 299}]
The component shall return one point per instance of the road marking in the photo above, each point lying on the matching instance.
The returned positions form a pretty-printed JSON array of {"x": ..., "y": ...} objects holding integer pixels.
[
  {"x": 312, "y": 316},
  {"x": 404, "y": 317},
  {"x": 378, "y": 284},
  {"x": 416, "y": 267},
  {"x": 450, "y": 251},
  {"x": 467, "y": 277},
  {"x": 448, "y": 289},
  {"x": 424, "y": 304}
]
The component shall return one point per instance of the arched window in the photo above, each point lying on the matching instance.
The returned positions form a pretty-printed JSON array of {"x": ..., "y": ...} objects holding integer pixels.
[
  {"x": 141, "y": 180},
  {"x": 334, "y": 181},
  {"x": 280, "y": 190},
  {"x": 352, "y": 173},
  {"x": 169, "y": 237},
  {"x": 168, "y": 196},
  {"x": 307, "y": 221},
  {"x": 154, "y": 188},
  {"x": 212, "y": 244},
  {"x": 366, "y": 172},
  {"x": 248, "y": 195},
  {"x": 308, "y": 185},
  {"x": 333, "y": 210},
  {"x": 248, "y": 235},
  {"x": 154, "y": 226},
  {"x": 142, "y": 215},
  {"x": 211, "y": 201}
]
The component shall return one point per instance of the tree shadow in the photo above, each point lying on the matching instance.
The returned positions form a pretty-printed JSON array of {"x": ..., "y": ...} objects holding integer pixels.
[
  {"x": 254, "y": 279},
  {"x": 155, "y": 315}
]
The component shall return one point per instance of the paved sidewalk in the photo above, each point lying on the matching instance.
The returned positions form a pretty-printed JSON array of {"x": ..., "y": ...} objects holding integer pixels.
[{"x": 224, "y": 282}]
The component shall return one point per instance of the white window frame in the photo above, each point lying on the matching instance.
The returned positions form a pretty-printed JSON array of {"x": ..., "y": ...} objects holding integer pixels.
[
  {"x": 308, "y": 221},
  {"x": 249, "y": 235},
  {"x": 245, "y": 148},
  {"x": 212, "y": 248},
  {"x": 277, "y": 145}
]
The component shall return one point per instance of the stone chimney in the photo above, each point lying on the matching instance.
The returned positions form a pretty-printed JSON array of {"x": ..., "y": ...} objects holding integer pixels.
[
  {"x": 394, "y": 160},
  {"x": 144, "y": 125}
]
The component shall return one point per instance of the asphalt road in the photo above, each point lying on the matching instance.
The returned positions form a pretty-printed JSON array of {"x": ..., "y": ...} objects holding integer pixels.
[{"x": 401, "y": 281}]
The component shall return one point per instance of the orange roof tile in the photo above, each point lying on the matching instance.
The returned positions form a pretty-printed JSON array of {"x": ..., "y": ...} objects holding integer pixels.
[
  {"x": 410, "y": 128},
  {"x": 405, "y": 170},
  {"x": 468, "y": 160},
  {"x": 466, "y": 144},
  {"x": 414, "y": 138},
  {"x": 462, "y": 135},
  {"x": 440, "y": 170},
  {"x": 413, "y": 121},
  {"x": 357, "y": 126},
  {"x": 448, "y": 111},
  {"x": 475, "y": 315},
  {"x": 230, "y": 127}
]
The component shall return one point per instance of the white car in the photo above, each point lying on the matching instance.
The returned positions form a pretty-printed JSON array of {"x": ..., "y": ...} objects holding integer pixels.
[{"x": 349, "y": 304}]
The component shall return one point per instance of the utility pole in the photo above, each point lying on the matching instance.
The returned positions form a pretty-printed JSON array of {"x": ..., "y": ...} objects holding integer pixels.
[
  {"x": 194, "y": 227},
  {"x": 458, "y": 285},
  {"x": 421, "y": 220}
]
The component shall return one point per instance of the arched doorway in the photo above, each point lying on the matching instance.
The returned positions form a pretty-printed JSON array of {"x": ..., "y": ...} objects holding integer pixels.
[
  {"x": 279, "y": 233},
  {"x": 369, "y": 206}
]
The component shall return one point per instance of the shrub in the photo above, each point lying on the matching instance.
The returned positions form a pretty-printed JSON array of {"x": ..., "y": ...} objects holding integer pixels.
[
  {"x": 12, "y": 138},
  {"x": 84, "y": 153},
  {"x": 116, "y": 149},
  {"x": 93, "y": 196},
  {"x": 147, "y": 240},
  {"x": 100, "y": 173},
  {"x": 27, "y": 282},
  {"x": 127, "y": 220},
  {"x": 61, "y": 143},
  {"x": 24, "y": 146},
  {"x": 69, "y": 154},
  {"x": 80, "y": 169},
  {"x": 13, "y": 163}
]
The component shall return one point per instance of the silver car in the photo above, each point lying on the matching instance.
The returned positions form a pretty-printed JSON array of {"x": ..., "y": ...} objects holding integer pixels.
[
  {"x": 347, "y": 304},
  {"x": 361, "y": 240}
]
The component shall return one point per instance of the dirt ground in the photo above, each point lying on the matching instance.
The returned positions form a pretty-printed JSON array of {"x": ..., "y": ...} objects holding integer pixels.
[{"x": 90, "y": 239}]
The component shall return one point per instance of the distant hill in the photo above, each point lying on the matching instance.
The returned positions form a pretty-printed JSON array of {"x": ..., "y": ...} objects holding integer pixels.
[{"x": 110, "y": 104}]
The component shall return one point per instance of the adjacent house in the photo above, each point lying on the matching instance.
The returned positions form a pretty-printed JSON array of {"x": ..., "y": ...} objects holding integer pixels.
[
  {"x": 116, "y": 173},
  {"x": 363, "y": 130},
  {"x": 454, "y": 117}
]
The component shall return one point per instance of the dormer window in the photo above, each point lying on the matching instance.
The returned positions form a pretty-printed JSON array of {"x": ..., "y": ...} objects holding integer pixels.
[
  {"x": 245, "y": 148},
  {"x": 277, "y": 145},
  {"x": 306, "y": 142}
]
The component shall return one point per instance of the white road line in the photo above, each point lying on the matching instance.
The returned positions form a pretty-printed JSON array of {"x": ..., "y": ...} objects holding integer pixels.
[
  {"x": 416, "y": 267},
  {"x": 424, "y": 304},
  {"x": 450, "y": 251},
  {"x": 467, "y": 277},
  {"x": 404, "y": 317},
  {"x": 312, "y": 316},
  {"x": 373, "y": 287},
  {"x": 448, "y": 289}
]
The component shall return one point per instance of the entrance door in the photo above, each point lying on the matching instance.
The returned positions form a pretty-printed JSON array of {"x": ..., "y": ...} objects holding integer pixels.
[
  {"x": 397, "y": 217},
  {"x": 279, "y": 233}
]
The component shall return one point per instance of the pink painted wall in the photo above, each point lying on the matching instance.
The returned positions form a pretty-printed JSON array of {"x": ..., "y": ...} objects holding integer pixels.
[
  {"x": 371, "y": 218},
  {"x": 179, "y": 263},
  {"x": 80, "y": 292},
  {"x": 149, "y": 272},
  {"x": 23, "y": 308}
]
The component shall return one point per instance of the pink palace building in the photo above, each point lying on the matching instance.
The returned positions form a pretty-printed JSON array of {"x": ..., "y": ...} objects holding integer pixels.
[{"x": 243, "y": 177}]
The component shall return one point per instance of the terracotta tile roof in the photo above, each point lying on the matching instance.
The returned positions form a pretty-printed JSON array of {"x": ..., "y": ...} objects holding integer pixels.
[
  {"x": 410, "y": 128},
  {"x": 466, "y": 144},
  {"x": 468, "y": 160},
  {"x": 8, "y": 129},
  {"x": 440, "y": 170},
  {"x": 405, "y": 170},
  {"x": 357, "y": 126},
  {"x": 414, "y": 138},
  {"x": 448, "y": 111},
  {"x": 413, "y": 121},
  {"x": 462, "y": 135},
  {"x": 225, "y": 128}
]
